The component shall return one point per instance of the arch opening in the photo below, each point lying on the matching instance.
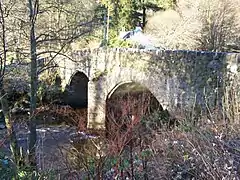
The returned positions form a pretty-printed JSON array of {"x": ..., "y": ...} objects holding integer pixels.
[
  {"x": 77, "y": 91},
  {"x": 127, "y": 104},
  {"x": 76, "y": 96}
]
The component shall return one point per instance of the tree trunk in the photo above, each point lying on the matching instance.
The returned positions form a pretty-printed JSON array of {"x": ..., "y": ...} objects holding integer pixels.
[
  {"x": 108, "y": 23},
  {"x": 33, "y": 100},
  {"x": 144, "y": 15}
]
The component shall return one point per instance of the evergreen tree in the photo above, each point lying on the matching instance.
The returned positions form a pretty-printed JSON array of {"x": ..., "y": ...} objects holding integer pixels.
[{"x": 126, "y": 15}]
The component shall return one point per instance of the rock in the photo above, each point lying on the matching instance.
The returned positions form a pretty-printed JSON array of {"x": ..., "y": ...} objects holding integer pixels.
[{"x": 2, "y": 126}]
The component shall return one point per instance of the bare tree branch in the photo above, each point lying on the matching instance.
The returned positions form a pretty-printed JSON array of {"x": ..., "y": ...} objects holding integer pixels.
[
  {"x": 57, "y": 53},
  {"x": 49, "y": 38},
  {"x": 3, "y": 39}
]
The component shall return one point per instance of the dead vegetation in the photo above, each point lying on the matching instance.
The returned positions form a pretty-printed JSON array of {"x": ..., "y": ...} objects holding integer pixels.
[
  {"x": 141, "y": 145},
  {"x": 197, "y": 25}
]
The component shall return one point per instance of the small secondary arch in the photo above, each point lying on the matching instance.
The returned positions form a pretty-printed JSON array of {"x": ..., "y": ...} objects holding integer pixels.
[
  {"x": 76, "y": 92},
  {"x": 77, "y": 73}
]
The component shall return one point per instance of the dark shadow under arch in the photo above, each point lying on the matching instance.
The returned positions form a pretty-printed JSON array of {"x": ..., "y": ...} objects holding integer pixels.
[
  {"x": 76, "y": 93},
  {"x": 127, "y": 100}
]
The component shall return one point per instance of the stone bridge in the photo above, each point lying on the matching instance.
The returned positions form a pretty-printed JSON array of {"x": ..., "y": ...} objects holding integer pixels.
[{"x": 178, "y": 79}]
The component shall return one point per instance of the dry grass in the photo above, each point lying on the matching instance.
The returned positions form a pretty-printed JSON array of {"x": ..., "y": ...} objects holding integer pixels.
[{"x": 199, "y": 153}]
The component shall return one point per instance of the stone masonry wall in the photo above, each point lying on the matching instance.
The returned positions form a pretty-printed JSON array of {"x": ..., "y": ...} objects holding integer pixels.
[{"x": 178, "y": 79}]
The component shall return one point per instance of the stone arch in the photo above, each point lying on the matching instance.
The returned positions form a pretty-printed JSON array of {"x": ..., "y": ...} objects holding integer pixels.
[
  {"x": 101, "y": 88},
  {"x": 126, "y": 100},
  {"x": 116, "y": 87},
  {"x": 130, "y": 87},
  {"x": 153, "y": 81},
  {"x": 76, "y": 91}
]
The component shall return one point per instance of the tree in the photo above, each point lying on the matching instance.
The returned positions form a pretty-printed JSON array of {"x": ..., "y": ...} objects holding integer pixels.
[
  {"x": 201, "y": 24},
  {"x": 154, "y": 5},
  {"x": 33, "y": 11},
  {"x": 220, "y": 24},
  {"x": 48, "y": 29},
  {"x": 5, "y": 8},
  {"x": 126, "y": 15},
  {"x": 49, "y": 40}
]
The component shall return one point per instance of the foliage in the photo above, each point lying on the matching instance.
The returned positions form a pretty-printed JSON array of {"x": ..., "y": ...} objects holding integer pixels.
[
  {"x": 200, "y": 154},
  {"x": 122, "y": 12},
  {"x": 156, "y": 120},
  {"x": 144, "y": 147},
  {"x": 124, "y": 153},
  {"x": 5, "y": 167},
  {"x": 50, "y": 90},
  {"x": 126, "y": 15},
  {"x": 9, "y": 170},
  {"x": 220, "y": 23},
  {"x": 116, "y": 42},
  {"x": 138, "y": 139},
  {"x": 166, "y": 4},
  {"x": 197, "y": 25},
  {"x": 47, "y": 28},
  {"x": 59, "y": 24},
  {"x": 4, "y": 10}
]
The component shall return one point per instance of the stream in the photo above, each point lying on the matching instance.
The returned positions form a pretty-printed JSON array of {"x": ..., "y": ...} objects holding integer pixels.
[{"x": 53, "y": 145}]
